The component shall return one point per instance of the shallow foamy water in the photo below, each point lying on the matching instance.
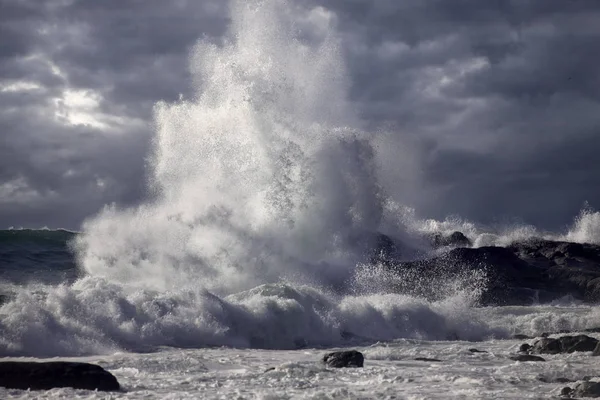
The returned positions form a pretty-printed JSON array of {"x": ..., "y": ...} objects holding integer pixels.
[{"x": 390, "y": 370}]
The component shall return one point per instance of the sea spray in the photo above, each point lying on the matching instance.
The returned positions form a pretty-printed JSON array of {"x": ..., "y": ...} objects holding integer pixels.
[{"x": 265, "y": 175}]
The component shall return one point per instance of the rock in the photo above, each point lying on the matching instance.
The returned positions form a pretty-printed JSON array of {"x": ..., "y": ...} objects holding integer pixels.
[
  {"x": 385, "y": 249},
  {"x": 562, "y": 380},
  {"x": 525, "y": 348},
  {"x": 554, "y": 380},
  {"x": 56, "y": 374},
  {"x": 455, "y": 239},
  {"x": 526, "y": 357},
  {"x": 596, "y": 351},
  {"x": 344, "y": 359},
  {"x": 582, "y": 389},
  {"x": 564, "y": 344},
  {"x": 477, "y": 351},
  {"x": 527, "y": 272},
  {"x": 566, "y": 391},
  {"x": 427, "y": 359}
]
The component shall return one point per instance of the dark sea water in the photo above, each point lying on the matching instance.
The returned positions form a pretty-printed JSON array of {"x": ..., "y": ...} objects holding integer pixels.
[{"x": 36, "y": 256}]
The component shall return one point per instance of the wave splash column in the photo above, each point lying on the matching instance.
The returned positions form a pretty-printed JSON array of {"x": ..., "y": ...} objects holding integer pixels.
[{"x": 264, "y": 176}]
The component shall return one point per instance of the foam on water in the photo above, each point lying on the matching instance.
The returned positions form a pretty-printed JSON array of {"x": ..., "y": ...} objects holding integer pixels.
[{"x": 96, "y": 317}]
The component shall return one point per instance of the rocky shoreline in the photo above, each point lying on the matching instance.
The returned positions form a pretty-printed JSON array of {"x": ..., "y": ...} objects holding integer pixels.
[{"x": 532, "y": 271}]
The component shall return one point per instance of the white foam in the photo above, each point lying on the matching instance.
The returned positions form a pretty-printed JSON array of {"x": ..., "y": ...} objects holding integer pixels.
[
  {"x": 97, "y": 317},
  {"x": 585, "y": 228}
]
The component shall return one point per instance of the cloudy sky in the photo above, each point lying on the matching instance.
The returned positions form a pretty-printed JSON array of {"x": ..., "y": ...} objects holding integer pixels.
[{"x": 496, "y": 102}]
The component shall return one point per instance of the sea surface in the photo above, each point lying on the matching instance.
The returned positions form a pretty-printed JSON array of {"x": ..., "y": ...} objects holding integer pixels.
[
  {"x": 252, "y": 255},
  {"x": 267, "y": 342}
]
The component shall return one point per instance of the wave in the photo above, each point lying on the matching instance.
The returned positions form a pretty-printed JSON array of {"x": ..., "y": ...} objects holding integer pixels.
[
  {"x": 36, "y": 255},
  {"x": 265, "y": 210},
  {"x": 96, "y": 317}
]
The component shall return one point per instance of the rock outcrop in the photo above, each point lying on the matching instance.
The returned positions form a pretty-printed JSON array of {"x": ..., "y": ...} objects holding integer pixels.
[
  {"x": 344, "y": 359},
  {"x": 531, "y": 271},
  {"x": 455, "y": 239},
  {"x": 564, "y": 344},
  {"x": 56, "y": 374}
]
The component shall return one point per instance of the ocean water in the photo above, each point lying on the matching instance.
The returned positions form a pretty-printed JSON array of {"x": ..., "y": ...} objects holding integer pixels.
[{"x": 254, "y": 250}]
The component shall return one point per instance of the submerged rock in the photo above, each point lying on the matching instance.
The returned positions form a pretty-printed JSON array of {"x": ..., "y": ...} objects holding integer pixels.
[
  {"x": 554, "y": 380},
  {"x": 564, "y": 344},
  {"x": 519, "y": 336},
  {"x": 56, "y": 374},
  {"x": 596, "y": 351},
  {"x": 526, "y": 357},
  {"x": 344, "y": 359}
]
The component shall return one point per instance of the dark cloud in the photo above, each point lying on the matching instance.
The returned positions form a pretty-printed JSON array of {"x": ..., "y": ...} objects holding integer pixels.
[
  {"x": 494, "y": 105},
  {"x": 507, "y": 93}
]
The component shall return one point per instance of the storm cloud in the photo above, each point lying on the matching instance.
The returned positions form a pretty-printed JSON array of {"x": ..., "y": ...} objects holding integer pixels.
[{"x": 489, "y": 109}]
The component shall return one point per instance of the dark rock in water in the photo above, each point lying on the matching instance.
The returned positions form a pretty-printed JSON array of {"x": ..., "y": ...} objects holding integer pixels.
[
  {"x": 527, "y": 272},
  {"x": 56, "y": 374},
  {"x": 554, "y": 380},
  {"x": 566, "y": 392},
  {"x": 344, "y": 359},
  {"x": 562, "y": 380},
  {"x": 525, "y": 348},
  {"x": 477, "y": 351},
  {"x": 456, "y": 239},
  {"x": 526, "y": 357},
  {"x": 385, "y": 250},
  {"x": 564, "y": 344},
  {"x": 582, "y": 389},
  {"x": 427, "y": 359}
]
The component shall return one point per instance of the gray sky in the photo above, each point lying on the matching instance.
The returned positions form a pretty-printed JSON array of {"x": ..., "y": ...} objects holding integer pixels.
[{"x": 496, "y": 104}]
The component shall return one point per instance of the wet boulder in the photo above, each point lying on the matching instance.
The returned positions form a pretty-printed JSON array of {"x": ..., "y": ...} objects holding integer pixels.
[
  {"x": 525, "y": 348},
  {"x": 56, "y": 374},
  {"x": 582, "y": 389},
  {"x": 564, "y": 344},
  {"x": 344, "y": 359}
]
